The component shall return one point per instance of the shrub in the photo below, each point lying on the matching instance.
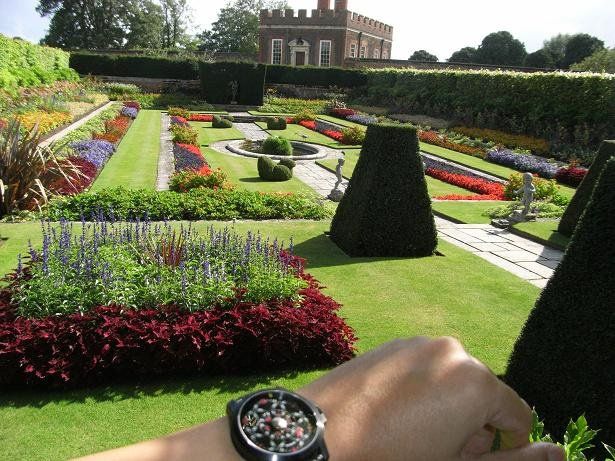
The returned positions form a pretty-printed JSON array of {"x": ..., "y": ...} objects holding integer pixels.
[
  {"x": 185, "y": 180},
  {"x": 386, "y": 210},
  {"x": 281, "y": 173},
  {"x": 193, "y": 205},
  {"x": 188, "y": 157},
  {"x": 513, "y": 141},
  {"x": 294, "y": 105},
  {"x": 184, "y": 134},
  {"x": 353, "y": 136},
  {"x": 572, "y": 325},
  {"x": 581, "y": 197},
  {"x": 216, "y": 78},
  {"x": 275, "y": 145},
  {"x": 265, "y": 166},
  {"x": 288, "y": 163},
  {"x": 317, "y": 76},
  {"x": 276, "y": 123},
  {"x": 220, "y": 122},
  {"x": 178, "y": 112},
  {"x": 571, "y": 175},
  {"x": 546, "y": 189}
]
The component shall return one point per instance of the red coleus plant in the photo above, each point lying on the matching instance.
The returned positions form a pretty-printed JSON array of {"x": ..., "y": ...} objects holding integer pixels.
[
  {"x": 309, "y": 124},
  {"x": 75, "y": 181},
  {"x": 342, "y": 113},
  {"x": 333, "y": 134},
  {"x": 201, "y": 118},
  {"x": 113, "y": 342},
  {"x": 571, "y": 175},
  {"x": 480, "y": 186}
]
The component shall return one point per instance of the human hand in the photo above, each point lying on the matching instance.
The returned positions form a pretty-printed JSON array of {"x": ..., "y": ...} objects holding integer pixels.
[{"x": 423, "y": 400}]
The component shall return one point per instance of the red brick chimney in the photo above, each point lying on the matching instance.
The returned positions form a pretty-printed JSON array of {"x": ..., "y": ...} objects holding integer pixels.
[
  {"x": 341, "y": 5},
  {"x": 324, "y": 4}
]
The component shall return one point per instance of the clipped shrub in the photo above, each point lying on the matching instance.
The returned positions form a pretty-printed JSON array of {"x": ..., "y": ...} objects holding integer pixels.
[
  {"x": 288, "y": 163},
  {"x": 386, "y": 210},
  {"x": 276, "y": 123},
  {"x": 316, "y": 76},
  {"x": 216, "y": 79},
  {"x": 564, "y": 358},
  {"x": 220, "y": 122},
  {"x": 581, "y": 197},
  {"x": 265, "y": 166},
  {"x": 275, "y": 145},
  {"x": 281, "y": 173},
  {"x": 269, "y": 171},
  {"x": 353, "y": 136}
]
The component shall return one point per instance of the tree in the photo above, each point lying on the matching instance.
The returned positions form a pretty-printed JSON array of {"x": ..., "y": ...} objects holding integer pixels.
[
  {"x": 501, "y": 48},
  {"x": 600, "y": 61},
  {"x": 556, "y": 47},
  {"x": 422, "y": 55},
  {"x": 466, "y": 54},
  {"x": 540, "y": 59},
  {"x": 176, "y": 15},
  {"x": 579, "y": 47},
  {"x": 146, "y": 25},
  {"x": 563, "y": 361}
]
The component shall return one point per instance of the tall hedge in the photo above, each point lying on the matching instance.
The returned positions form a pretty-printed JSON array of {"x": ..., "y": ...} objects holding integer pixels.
[
  {"x": 564, "y": 107},
  {"x": 316, "y": 76},
  {"x": 216, "y": 78},
  {"x": 564, "y": 360},
  {"x": 134, "y": 66},
  {"x": 23, "y": 64},
  {"x": 386, "y": 210},
  {"x": 584, "y": 191}
]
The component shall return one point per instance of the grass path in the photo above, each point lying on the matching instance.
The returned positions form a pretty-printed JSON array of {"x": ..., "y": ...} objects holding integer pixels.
[
  {"x": 383, "y": 298},
  {"x": 135, "y": 163}
]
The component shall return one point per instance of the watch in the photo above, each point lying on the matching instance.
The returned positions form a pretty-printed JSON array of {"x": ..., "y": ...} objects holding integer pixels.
[{"x": 277, "y": 425}]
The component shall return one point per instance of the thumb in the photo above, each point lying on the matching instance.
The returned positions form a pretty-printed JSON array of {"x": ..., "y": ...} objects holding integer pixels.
[{"x": 531, "y": 452}]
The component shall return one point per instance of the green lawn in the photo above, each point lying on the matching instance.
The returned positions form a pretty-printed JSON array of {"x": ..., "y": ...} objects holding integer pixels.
[
  {"x": 342, "y": 122},
  {"x": 546, "y": 231},
  {"x": 209, "y": 135},
  {"x": 457, "y": 294},
  {"x": 297, "y": 132},
  {"x": 135, "y": 163}
]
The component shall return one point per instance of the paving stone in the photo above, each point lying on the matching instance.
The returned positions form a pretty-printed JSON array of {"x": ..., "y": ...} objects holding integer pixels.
[
  {"x": 550, "y": 263},
  {"x": 540, "y": 283},
  {"x": 473, "y": 226},
  {"x": 510, "y": 246},
  {"x": 487, "y": 246},
  {"x": 509, "y": 266},
  {"x": 484, "y": 236},
  {"x": 518, "y": 256},
  {"x": 457, "y": 243},
  {"x": 462, "y": 236},
  {"x": 538, "y": 268}
]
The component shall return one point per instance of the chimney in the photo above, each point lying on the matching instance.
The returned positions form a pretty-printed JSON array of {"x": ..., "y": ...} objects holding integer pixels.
[
  {"x": 341, "y": 5},
  {"x": 324, "y": 4}
]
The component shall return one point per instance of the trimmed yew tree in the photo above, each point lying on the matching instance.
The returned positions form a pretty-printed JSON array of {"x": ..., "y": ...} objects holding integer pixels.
[
  {"x": 386, "y": 210},
  {"x": 564, "y": 360},
  {"x": 584, "y": 191}
]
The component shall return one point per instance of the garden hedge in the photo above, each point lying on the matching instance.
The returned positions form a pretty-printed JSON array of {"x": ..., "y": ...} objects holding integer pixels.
[
  {"x": 23, "y": 64},
  {"x": 216, "y": 78},
  {"x": 386, "y": 210},
  {"x": 316, "y": 76},
  {"x": 563, "y": 361},
  {"x": 134, "y": 66},
  {"x": 579, "y": 201},
  {"x": 561, "y": 107}
]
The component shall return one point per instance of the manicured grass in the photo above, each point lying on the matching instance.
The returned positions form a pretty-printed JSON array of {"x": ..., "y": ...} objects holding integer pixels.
[
  {"x": 546, "y": 231},
  {"x": 466, "y": 212},
  {"x": 135, "y": 163},
  {"x": 436, "y": 187},
  {"x": 342, "y": 122},
  {"x": 458, "y": 294},
  {"x": 297, "y": 132},
  {"x": 209, "y": 135}
]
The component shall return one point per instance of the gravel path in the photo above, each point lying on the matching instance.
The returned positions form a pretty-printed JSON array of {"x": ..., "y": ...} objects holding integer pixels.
[{"x": 166, "y": 163}]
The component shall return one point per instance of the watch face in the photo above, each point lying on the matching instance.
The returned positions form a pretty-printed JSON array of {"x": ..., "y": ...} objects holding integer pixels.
[{"x": 278, "y": 422}]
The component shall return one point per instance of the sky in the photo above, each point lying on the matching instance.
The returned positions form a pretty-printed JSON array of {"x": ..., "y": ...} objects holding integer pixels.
[{"x": 439, "y": 26}]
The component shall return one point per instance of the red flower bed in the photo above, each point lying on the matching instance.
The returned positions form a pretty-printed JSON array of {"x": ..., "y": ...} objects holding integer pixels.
[
  {"x": 133, "y": 104},
  {"x": 118, "y": 125},
  {"x": 309, "y": 124},
  {"x": 571, "y": 175},
  {"x": 112, "y": 342},
  {"x": 290, "y": 120},
  {"x": 111, "y": 137},
  {"x": 480, "y": 186},
  {"x": 75, "y": 182},
  {"x": 201, "y": 118},
  {"x": 431, "y": 137},
  {"x": 342, "y": 113},
  {"x": 467, "y": 197},
  {"x": 337, "y": 135}
]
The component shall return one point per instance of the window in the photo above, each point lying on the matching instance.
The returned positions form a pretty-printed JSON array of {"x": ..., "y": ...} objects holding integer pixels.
[
  {"x": 325, "y": 53},
  {"x": 385, "y": 54},
  {"x": 353, "y": 50},
  {"x": 276, "y": 51},
  {"x": 376, "y": 53},
  {"x": 363, "y": 52}
]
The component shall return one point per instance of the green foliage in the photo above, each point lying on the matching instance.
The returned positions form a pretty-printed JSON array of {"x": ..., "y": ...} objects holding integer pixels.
[
  {"x": 265, "y": 166},
  {"x": 185, "y": 180},
  {"x": 423, "y": 55},
  {"x": 276, "y": 123},
  {"x": 23, "y": 64},
  {"x": 281, "y": 173},
  {"x": 541, "y": 209},
  {"x": 269, "y": 171},
  {"x": 540, "y": 59},
  {"x": 294, "y": 105},
  {"x": 584, "y": 191},
  {"x": 94, "y": 125},
  {"x": 217, "y": 79},
  {"x": 316, "y": 76},
  {"x": 563, "y": 360},
  {"x": 134, "y": 66},
  {"x": 221, "y": 122},
  {"x": 288, "y": 163},
  {"x": 556, "y": 47},
  {"x": 353, "y": 136},
  {"x": 599, "y": 61},
  {"x": 386, "y": 210},
  {"x": 275, "y": 145},
  {"x": 164, "y": 100},
  {"x": 579, "y": 47},
  {"x": 501, "y": 48},
  {"x": 184, "y": 134},
  {"x": 304, "y": 115},
  {"x": 178, "y": 112},
  {"x": 194, "y": 205},
  {"x": 466, "y": 54},
  {"x": 117, "y": 91},
  {"x": 546, "y": 189}
]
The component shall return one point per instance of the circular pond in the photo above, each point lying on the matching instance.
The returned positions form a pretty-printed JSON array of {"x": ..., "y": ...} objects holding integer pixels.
[{"x": 301, "y": 150}]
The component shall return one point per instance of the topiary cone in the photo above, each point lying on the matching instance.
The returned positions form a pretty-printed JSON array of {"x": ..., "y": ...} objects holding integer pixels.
[
  {"x": 563, "y": 363},
  {"x": 579, "y": 201},
  {"x": 386, "y": 210}
]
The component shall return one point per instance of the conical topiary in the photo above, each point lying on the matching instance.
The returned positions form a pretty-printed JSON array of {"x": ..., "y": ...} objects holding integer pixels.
[
  {"x": 584, "y": 191},
  {"x": 564, "y": 360},
  {"x": 386, "y": 210}
]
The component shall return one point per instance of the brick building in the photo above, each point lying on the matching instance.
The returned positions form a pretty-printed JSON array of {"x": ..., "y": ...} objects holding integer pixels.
[{"x": 326, "y": 38}]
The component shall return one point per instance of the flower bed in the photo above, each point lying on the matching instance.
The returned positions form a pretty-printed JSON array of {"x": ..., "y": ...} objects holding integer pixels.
[
  {"x": 201, "y": 118},
  {"x": 45, "y": 121},
  {"x": 571, "y": 175},
  {"x": 523, "y": 162},
  {"x": 181, "y": 121},
  {"x": 81, "y": 173},
  {"x": 539, "y": 146},
  {"x": 188, "y": 156},
  {"x": 208, "y": 305},
  {"x": 486, "y": 190},
  {"x": 341, "y": 112},
  {"x": 130, "y": 112},
  {"x": 133, "y": 104},
  {"x": 431, "y": 137},
  {"x": 323, "y": 128},
  {"x": 362, "y": 119},
  {"x": 94, "y": 151}
]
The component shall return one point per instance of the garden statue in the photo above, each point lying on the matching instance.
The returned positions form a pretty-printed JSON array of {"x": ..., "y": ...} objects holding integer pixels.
[
  {"x": 528, "y": 190},
  {"x": 336, "y": 194},
  {"x": 234, "y": 84}
]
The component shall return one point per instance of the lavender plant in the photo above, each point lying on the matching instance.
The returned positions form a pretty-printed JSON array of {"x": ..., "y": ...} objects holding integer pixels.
[
  {"x": 96, "y": 151},
  {"x": 129, "y": 112},
  {"x": 140, "y": 264}
]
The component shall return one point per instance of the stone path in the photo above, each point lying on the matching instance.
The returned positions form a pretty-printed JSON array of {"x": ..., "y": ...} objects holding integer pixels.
[
  {"x": 166, "y": 162},
  {"x": 522, "y": 257},
  {"x": 73, "y": 126},
  {"x": 251, "y": 131},
  {"x": 319, "y": 179}
]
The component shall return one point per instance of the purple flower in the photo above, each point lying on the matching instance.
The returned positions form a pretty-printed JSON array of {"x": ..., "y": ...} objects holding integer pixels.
[
  {"x": 524, "y": 162},
  {"x": 95, "y": 150},
  {"x": 362, "y": 119},
  {"x": 129, "y": 112},
  {"x": 185, "y": 159}
]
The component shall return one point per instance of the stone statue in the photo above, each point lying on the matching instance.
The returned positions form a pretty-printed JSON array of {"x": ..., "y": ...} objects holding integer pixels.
[
  {"x": 234, "y": 84},
  {"x": 336, "y": 195},
  {"x": 528, "y": 190}
]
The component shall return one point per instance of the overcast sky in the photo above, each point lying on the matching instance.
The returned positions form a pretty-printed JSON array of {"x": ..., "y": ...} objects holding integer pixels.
[{"x": 439, "y": 26}]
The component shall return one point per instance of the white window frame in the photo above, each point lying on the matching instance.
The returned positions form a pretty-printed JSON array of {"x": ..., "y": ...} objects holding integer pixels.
[
  {"x": 363, "y": 51},
  {"x": 273, "y": 52},
  {"x": 320, "y": 60},
  {"x": 353, "y": 50},
  {"x": 376, "y": 53}
]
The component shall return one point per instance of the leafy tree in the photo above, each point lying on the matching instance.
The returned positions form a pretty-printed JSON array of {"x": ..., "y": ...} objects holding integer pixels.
[
  {"x": 146, "y": 25},
  {"x": 422, "y": 55},
  {"x": 600, "y": 61},
  {"x": 176, "y": 15},
  {"x": 466, "y": 54},
  {"x": 540, "y": 58},
  {"x": 579, "y": 47},
  {"x": 556, "y": 47},
  {"x": 501, "y": 48}
]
